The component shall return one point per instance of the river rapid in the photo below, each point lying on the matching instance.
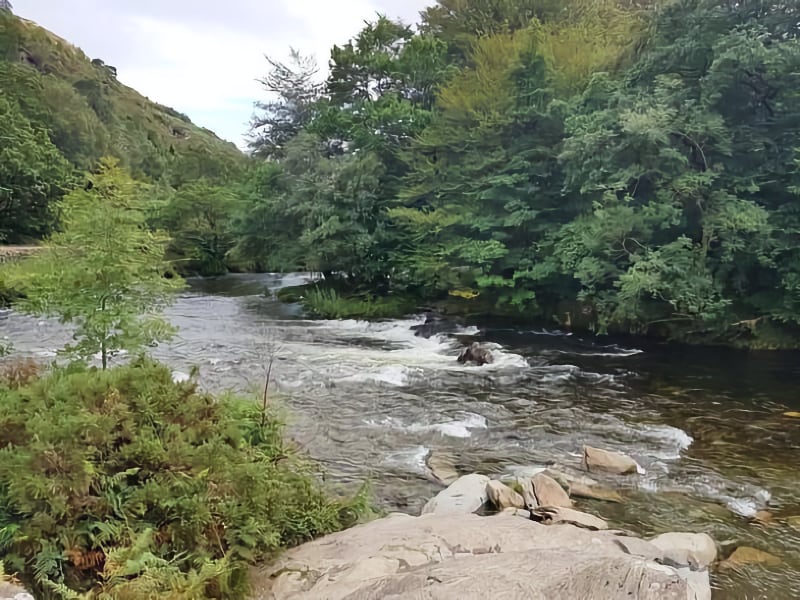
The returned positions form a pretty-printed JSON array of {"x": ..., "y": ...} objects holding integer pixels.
[{"x": 372, "y": 401}]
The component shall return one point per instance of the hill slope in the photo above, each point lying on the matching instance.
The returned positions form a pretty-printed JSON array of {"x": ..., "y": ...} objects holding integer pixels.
[{"x": 88, "y": 113}]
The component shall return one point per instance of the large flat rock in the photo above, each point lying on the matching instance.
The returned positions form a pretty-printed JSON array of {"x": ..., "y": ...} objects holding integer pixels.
[{"x": 455, "y": 557}]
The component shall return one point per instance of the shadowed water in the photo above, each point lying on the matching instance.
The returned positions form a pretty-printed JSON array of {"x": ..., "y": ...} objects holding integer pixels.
[{"x": 370, "y": 400}]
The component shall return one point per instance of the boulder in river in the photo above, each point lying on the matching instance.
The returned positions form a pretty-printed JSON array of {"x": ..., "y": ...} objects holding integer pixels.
[
  {"x": 559, "y": 514},
  {"x": 528, "y": 493},
  {"x": 745, "y": 555},
  {"x": 442, "y": 467},
  {"x": 502, "y": 496},
  {"x": 434, "y": 324},
  {"x": 696, "y": 550},
  {"x": 595, "y": 459},
  {"x": 548, "y": 492},
  {"x": 450, "y": 557},
  {"x": 475, "y": 353},
  {"x": 594, "y": 492},
  {"x": 464, "y": 496}
]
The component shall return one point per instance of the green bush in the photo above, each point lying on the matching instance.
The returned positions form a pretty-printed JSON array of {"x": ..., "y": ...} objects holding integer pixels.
[
  {"x": 123, "y": 484},
  {"x": 327, "y": 303}
]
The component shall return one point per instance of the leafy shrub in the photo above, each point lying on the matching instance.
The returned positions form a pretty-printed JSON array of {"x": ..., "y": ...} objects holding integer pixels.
[
  {"x": 123, "y": 484},
  {"x": 329, "y": 304}
]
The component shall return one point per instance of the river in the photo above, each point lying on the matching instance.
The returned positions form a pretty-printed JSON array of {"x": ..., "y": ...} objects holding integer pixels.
[{"x": 371, "y": 401}]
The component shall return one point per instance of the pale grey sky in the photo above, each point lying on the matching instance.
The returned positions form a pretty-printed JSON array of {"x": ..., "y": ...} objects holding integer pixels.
[{"x": 202, "y": 57}]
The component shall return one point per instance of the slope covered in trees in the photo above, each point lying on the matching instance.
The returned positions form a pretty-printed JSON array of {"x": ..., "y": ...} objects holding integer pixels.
[
  {"x": 628, "y": 165},
  {"x": 60, "y": 112}
]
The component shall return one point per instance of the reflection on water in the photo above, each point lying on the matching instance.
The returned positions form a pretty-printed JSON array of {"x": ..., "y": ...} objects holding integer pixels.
[{"x": 372, "y": 400}]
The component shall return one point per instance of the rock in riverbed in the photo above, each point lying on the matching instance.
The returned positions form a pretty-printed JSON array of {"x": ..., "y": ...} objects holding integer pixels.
[
  {"x": 475, "y": 353},
  {"x": 548, "y": 492},
  {"x": 594, "y": 492},
  {"x": 502, "y": 496},
  {"x": 442, "y": 467},
  {"x": 745, "y": 555},
  {"x": 450, "y": 557},
  {"x": 595, "y": 459},
  {"x": 464, "y": 496}
]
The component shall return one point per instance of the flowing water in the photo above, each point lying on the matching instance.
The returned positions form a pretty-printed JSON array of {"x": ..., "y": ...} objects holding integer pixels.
[{"x": 372, "y": 401}]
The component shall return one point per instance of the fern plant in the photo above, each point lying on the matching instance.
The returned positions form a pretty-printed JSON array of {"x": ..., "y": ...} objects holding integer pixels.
[{"x": 123, "y": 484}]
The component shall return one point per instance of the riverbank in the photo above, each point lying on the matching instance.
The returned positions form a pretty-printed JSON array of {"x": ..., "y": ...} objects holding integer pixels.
[
  {"x": 370, "y": 401},
  {"x": 530, "y": 539},
  {"x": 334, "y": 299}
]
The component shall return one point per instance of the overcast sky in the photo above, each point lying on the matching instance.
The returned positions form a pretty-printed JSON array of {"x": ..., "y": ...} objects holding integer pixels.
[{"x": 200, "y": 56}]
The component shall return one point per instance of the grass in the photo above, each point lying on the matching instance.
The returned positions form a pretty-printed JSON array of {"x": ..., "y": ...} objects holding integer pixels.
[{"x": 327, "y": 303}]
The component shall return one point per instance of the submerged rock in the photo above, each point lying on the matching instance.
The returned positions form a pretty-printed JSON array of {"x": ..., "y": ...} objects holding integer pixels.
[
  {"x": 474, "y": 353},
  {"x": 594, "y": 492},
  {"x": 464, "y": 496},
  {"x": 793, "y": 522},
  {"x": 595, "y": 459},
  {"x": 502, "y": 496},
  {"x": 450, "y": 557},
  {"x": 434, "y": 324},
  {"x": 548, "y": 492},
  {"x": 745, "y": 555},
  {"x": 442, "y": 467}
]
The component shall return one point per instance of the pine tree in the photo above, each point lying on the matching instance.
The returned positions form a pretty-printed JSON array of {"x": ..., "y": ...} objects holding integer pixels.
[{"x": 103, "y": 272}]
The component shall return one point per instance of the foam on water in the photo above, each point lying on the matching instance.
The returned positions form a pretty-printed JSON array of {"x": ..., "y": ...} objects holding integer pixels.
[
  {"x": 393, "y": 375},
  {"x": 388, "y": 352},
  {"x": 609, "y": 352},
  {"x": 471, "y": 330},
  {"x": 671, "y": 439},
  {"x": 411, "y": 459},
  {"x": 461, "y": 427}
]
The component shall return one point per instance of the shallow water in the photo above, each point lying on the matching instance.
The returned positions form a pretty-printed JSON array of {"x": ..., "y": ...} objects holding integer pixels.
[{"x": 370, "y": 400}]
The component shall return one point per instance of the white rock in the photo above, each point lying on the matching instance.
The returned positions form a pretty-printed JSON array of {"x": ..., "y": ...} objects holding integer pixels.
[
  {"x": 697, "y": 550},
  {"x": 464, "y": 496}
]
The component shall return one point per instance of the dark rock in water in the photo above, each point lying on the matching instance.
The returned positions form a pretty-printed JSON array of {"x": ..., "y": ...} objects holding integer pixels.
[
  {"x": 475, "y": 354},
  {"x": 433, "y": 325}
]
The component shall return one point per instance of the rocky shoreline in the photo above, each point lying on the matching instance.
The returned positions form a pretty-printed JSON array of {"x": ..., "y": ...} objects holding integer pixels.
[{"x": 523, "y": 538}]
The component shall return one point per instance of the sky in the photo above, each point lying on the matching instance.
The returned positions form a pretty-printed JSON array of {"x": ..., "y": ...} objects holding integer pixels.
[{"x": 203, "y": 57}]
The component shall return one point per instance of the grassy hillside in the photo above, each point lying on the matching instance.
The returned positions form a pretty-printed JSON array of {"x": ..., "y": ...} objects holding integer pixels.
[{"x": 88, "y": 113}]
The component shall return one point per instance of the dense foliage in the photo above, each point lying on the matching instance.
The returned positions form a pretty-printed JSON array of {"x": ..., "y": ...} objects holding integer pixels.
[
  {"x": 104, "y": 272},
  {"x": 122, "y": 484},
  {"x": 613, "y": 164},
  {"x": 631, "y": 166}
]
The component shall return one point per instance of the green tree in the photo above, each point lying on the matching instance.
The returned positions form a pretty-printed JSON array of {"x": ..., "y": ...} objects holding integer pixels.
[
  {"x": 199, "y": 217},
  {"x": 33, "y": 177},
  {"x": 296, "y": 91},
  {"x": 104, "y": 272}
]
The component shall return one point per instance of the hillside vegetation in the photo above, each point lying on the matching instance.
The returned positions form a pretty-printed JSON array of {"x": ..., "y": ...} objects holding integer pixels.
[{"x": 61, "y": 111}]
